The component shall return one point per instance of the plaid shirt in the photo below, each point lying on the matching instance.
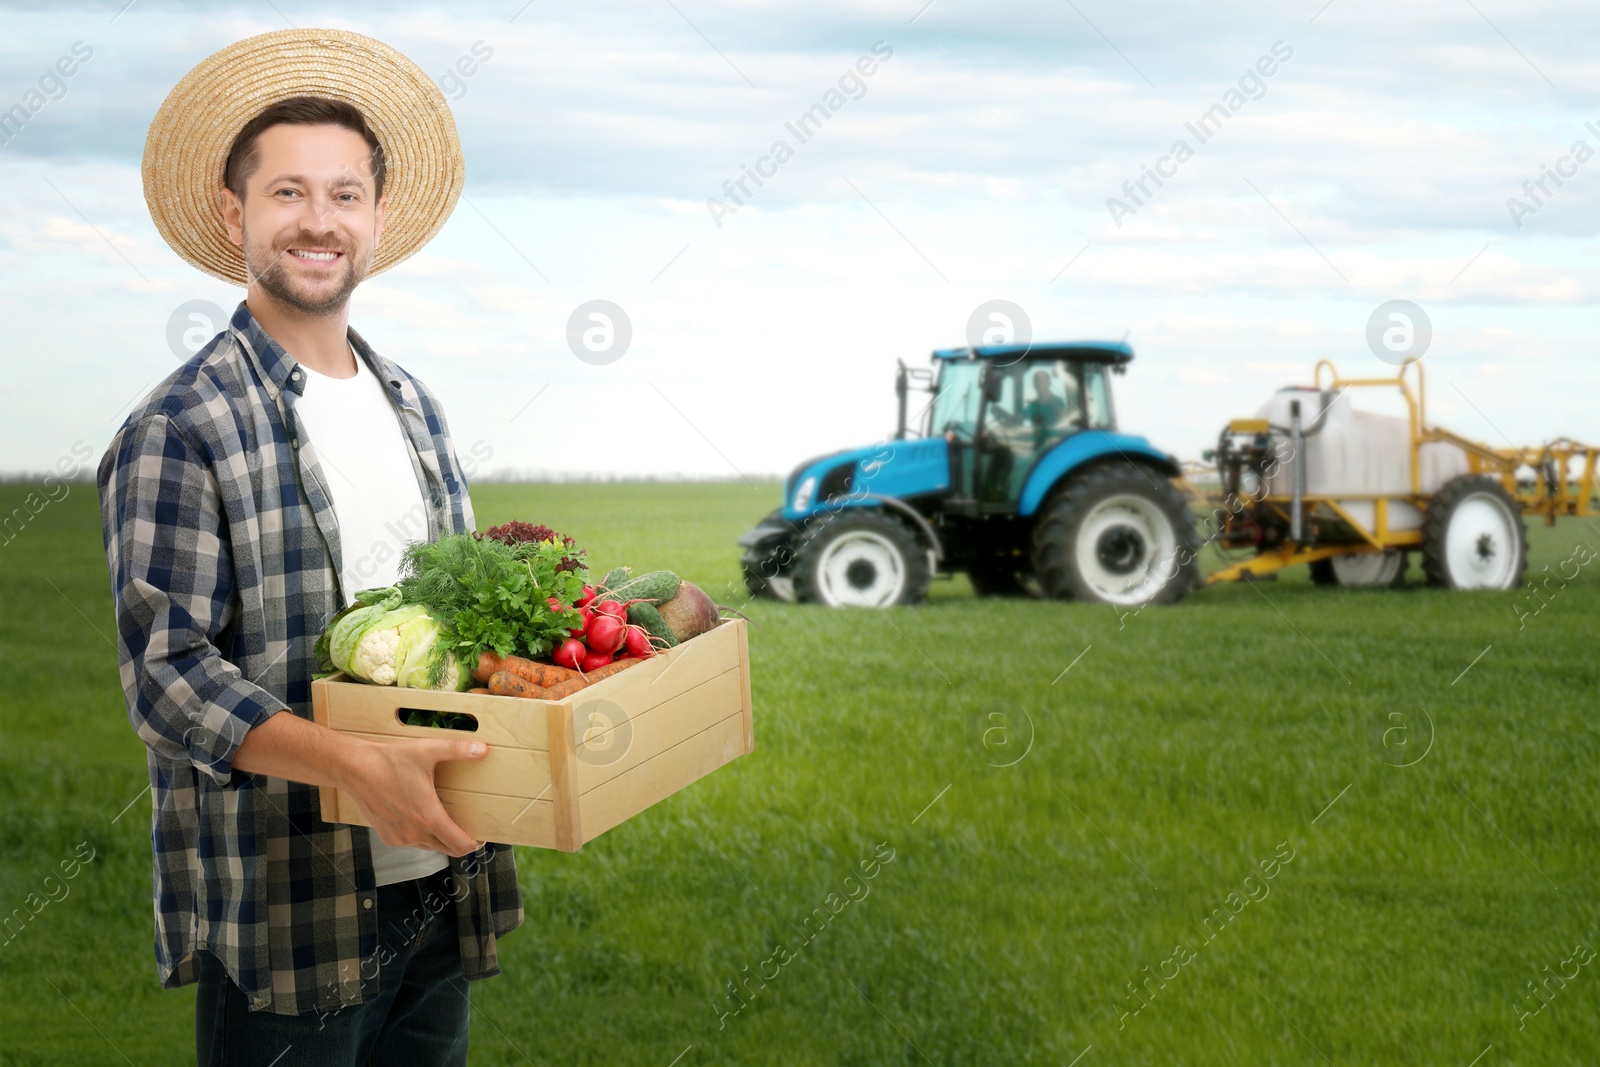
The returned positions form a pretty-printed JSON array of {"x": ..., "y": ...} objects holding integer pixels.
[{"x": 223, "y": 552}]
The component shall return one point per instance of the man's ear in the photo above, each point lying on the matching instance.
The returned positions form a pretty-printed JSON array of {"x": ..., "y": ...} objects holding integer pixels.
[{"x": 232, "y": 215}]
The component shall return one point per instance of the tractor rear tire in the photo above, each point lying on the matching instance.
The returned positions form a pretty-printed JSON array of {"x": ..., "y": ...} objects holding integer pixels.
[
  {"x": 1117, "y": 534},
  {"x": 861, "y": 557},
  {"x": 1473, "y": 536}
]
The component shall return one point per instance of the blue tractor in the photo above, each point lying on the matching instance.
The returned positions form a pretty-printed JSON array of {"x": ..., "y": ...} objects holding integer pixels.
[{"x": 1019, "y": 477}]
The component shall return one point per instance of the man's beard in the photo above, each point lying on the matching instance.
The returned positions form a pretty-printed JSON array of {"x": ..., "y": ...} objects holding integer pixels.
[{"x": 272, "y": 274}]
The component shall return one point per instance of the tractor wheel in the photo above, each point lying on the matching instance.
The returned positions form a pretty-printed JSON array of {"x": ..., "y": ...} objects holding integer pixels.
[
  {"x": 861, "y": 557},
  {"x": 1117, "y": 534},
  {"x": 1473, "y": 537},
  {"x": 1361, "y": 569},
  {"x": 759, "y": 585}
]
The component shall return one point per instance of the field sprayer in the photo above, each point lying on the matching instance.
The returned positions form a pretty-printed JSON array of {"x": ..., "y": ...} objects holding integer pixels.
[{"x": 1312, "y": 479}]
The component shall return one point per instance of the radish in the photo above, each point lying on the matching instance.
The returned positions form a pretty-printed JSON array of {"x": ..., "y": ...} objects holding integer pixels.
[
  {"x": 570, "y": 653},
  {"x": 611, "y": 607},
  {"x": 584, "y": 615},
  {"x": 594, "y": 661},
  {"x": 605, "y": 634},
  {"x": 637, "y": 642},
  {"x": 588, "y": 595}
]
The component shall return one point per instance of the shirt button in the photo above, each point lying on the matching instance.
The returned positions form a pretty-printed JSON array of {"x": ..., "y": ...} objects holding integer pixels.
[
  {"x": 367, "y": 903},
  {"x": 295, "y": 376}
]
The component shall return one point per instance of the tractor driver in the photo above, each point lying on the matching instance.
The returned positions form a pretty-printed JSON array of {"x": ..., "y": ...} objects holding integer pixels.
[{"x": 1051, "y": 417}]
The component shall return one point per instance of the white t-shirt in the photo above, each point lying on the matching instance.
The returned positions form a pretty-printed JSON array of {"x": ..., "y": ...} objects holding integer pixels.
[{"x": 366, "y": 467}]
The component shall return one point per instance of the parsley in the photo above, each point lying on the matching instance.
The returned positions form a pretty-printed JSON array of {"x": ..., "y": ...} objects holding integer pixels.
[{"x": 487, "y": 594}]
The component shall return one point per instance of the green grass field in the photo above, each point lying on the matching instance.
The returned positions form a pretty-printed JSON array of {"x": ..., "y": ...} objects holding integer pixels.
[{"x": 1184, "y": 747}]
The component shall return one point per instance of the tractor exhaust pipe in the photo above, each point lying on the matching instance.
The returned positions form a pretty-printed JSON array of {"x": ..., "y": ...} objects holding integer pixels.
[
  {"x": 900, "y": 388},
  {"x": 1297, "y": 502}
]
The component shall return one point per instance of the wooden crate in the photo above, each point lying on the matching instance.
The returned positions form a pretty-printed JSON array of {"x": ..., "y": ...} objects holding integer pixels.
[{"x": 563, "y": 772}]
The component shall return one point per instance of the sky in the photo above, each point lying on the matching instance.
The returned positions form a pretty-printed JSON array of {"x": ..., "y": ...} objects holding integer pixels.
[{"x": 1383, "y": 158}]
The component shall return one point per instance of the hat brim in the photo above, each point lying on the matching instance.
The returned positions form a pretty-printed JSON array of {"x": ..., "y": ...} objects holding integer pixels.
[{"x": 189, "y": 139}]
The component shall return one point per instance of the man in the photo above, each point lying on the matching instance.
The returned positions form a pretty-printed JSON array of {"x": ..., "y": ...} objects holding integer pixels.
[
  {"x": 1047, "y": 413},
  {"x": 243, "y": 503}
]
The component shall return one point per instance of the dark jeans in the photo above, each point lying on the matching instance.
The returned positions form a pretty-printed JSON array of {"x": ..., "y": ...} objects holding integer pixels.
[{"x": 418, "y": 1017}]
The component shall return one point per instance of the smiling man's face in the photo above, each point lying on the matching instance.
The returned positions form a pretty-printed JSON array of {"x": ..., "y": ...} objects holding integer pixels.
[{"x": 308, "y": 225}]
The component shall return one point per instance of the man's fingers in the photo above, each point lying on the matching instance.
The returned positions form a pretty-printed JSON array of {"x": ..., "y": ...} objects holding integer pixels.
[
  {"x": 464, "y": 750},
  {"x": 453, "y": 839}
]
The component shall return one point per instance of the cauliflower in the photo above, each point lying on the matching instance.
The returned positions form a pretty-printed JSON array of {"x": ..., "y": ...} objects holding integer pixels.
[
  {"x": 363, "y": 640},
  {"x": 375, "y": 656},
  {"x": 381, "y": 641}
]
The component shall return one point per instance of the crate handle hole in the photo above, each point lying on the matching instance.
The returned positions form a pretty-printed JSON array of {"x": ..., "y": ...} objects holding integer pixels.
[{"x": 446, "y": 720}]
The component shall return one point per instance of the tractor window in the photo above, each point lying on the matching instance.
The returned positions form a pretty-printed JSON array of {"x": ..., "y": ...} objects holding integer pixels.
[
  {"x": 1050, "y": 402},
  {"x": 1097, "y": 385},
  {"x": 1038, "y": 407},
  {"x": 955, "y": 406}
]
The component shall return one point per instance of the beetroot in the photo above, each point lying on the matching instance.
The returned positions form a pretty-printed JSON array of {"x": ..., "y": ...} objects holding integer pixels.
[{"x": 690, "y": 613}]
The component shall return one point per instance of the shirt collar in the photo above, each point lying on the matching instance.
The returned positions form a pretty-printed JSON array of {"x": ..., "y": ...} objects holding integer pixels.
[{"x": 283, "y": 372}]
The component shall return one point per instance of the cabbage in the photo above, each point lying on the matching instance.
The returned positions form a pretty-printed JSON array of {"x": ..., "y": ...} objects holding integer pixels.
[
  {"x": 423, "y": 662},
  {"x": 363, "y": 640}
]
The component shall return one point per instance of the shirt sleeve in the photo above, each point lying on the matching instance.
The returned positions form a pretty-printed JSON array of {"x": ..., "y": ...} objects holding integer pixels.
[{"x": 172, "y": 580}]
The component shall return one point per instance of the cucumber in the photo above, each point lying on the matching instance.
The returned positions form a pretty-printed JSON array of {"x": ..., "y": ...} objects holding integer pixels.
[
  {"x": 614, "y": 577},
  {"x": 655, "y": 586},
  {"x": 645, "y": 615}
]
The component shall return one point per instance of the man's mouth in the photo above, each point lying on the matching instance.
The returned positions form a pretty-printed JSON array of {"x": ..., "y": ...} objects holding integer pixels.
[{"x": 316, "y": 255}]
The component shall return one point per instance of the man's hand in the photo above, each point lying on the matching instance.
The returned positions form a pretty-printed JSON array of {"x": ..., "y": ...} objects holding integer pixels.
[{"x": 393, "y": 783}]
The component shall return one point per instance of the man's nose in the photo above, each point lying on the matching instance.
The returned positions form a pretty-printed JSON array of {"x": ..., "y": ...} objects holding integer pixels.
[{"x": 317, "y": 212}]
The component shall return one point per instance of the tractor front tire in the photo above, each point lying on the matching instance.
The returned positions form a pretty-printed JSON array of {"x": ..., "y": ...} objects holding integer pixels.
[
  {"x": 860, "y": 557},
  {"x": 1117, "y": 534},
  {"x": 1473, "y": 536}
]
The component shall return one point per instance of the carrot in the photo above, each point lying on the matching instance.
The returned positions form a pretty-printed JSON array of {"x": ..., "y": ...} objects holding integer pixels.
[
  {"x": 480, "y": 689},
  {"x": 566, "y": 689},
  {"x": 507, "y": 684},
  {"x": 538, "y": 673},
  {"x": 488, "y": 663}
]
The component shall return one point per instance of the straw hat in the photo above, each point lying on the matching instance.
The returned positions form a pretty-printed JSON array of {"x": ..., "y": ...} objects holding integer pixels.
[{"x": 187, "y": 146}]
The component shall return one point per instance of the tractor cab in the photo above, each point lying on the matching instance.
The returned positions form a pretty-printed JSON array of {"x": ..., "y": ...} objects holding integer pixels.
[
  {"x": 1013, "y": 472},
  {"x": 1000, "y": 408}
]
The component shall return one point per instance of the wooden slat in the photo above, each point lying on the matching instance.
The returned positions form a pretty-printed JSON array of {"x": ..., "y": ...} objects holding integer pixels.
[
  {"x": 509, "y": 820},
  {"x": 373, "y": 709},
  {"x": 505, "y": 771},
  {"x": 628, "y": 794},
  {"x": 563, "y": 777},
  {"x": 652, "y": 731},
  {"x": 744, "y": 675}
]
